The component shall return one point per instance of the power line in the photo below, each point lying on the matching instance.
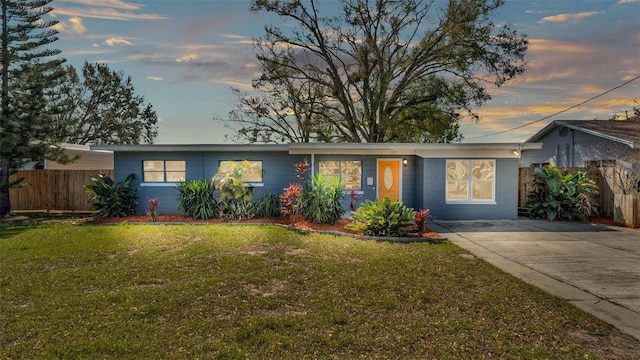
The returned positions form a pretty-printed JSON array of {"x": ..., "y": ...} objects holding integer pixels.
[{"x": 559, "y": 112}]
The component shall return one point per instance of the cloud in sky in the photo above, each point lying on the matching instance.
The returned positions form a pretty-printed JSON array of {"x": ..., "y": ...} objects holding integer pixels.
[
  {"x": 112, "y": 41},
  {"x": 108, "y": 13},
  {"x": 105, "y": 9},
  {"x": 187, "y": 58},
  {"x": 118, "y": 4},
  {"x": 73, "y": 26},
  {"x": 568, "y": 17}
]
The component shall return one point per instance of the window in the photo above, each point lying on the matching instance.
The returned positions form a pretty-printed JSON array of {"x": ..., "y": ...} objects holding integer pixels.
[
  {"x": 164, "y": 170},
  {"x": 600, "y": 163},
  {"x": 350, "y": 172},
  {"x": 471, "y": 180},
  {"x": 251, "y": 170}
]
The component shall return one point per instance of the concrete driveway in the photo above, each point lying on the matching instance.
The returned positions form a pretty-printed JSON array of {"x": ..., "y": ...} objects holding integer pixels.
[{"x": 595, "y": 267}]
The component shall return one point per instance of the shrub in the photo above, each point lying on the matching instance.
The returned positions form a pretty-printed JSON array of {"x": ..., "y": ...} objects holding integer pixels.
[
  {"x": 420, "y": 220},
  {"x": 236, "y": 210},
  {"x": 290, "y": 202},
  {"x": 196, "y": 199},
  {"x": 235, "y": 198},
  {"x": 152, "y": 208},
  {"x": 112, "y": 199},
  {"x": 268, "y": 205},
  {"x": 301, "y": 169},
  {"x": 568, "y": 197},
  {"x": 382, "y": 218},
  {"x": 321, "y": 200}
]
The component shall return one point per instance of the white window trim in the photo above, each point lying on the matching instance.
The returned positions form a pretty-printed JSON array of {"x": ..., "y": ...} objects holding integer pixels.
[
  {"x": 158, "y": 184},
  {"x": 470, "y": 187},
  {"x": 164, "y": 174}
]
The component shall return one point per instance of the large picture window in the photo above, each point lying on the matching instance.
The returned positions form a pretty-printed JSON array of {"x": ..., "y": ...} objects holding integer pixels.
[
  {"x": 251, "y": 169},
  {"x": 349, "y": 172},
  {"x": 164, "y": 170},
  {"x": 471, "y": 180}
]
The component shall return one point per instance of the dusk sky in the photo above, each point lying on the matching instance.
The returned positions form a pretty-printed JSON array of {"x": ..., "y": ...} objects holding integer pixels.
[{"x": 185, "y": 56}]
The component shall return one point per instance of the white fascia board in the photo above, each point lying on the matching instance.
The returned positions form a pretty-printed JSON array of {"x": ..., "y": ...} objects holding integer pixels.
[
  {"x": 429, "y": 150},
  {"x": 400, "y": 149},
  {"x": 532, "y": 146},
  {"x": 471, "y": 154},
  {"x": 353, "y": 148},
  {"x": 194, "y": 147}
]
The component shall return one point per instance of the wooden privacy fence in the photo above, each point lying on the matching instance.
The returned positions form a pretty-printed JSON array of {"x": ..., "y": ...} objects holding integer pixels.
[
  {"x": 53, "y": 190},
  {"x": 610, "y": 194}
]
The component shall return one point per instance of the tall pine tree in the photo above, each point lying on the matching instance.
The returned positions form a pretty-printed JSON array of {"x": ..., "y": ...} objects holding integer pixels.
[{"x": 30, "y": 71}]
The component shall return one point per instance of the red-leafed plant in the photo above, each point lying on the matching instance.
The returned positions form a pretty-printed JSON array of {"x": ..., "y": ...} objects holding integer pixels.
[
  {"x": 420, "y": 220},
  {"x": 290, "y": 201},
  {"x": 354, "y": 200},
  {"x": 301, "y": 169},
  {"x": 152, "y": 208}
]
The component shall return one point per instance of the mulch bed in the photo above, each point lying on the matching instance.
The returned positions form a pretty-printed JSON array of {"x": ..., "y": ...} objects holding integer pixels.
[{"x": 302, "y": 225}]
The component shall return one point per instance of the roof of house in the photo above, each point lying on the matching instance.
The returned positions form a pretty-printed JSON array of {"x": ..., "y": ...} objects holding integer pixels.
[
  {"x": 623, "y": 131},
  {"x": 424, "y": 150}
]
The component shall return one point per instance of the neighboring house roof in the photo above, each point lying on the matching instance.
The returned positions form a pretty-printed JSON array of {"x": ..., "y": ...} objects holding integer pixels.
[
  {"x": 88, "y": 159},
  {"x": 622, "y": 131},
  {"x": 424, "y": 150}
]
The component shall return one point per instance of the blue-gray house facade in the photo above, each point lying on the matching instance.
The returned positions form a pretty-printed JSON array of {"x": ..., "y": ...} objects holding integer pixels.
[{"x": 453, "y": 181}]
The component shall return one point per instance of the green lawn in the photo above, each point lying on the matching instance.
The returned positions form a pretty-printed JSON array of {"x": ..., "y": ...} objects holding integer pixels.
[{"x": 228, "y": 292}]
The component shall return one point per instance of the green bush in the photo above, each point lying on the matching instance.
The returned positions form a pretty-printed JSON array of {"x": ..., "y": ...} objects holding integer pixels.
[
  {"x": 267, "y": 206},
  {"x": 382, "y": 218},
  {"x": 230, "y": 184},
  {"x": 557, "y": 196},
  {"x": 321, "y": 200},
  {"x": 112, "y": 199},
  {"x": 236, "y": 210},
  {"x": 234, "y": 201},
  {"x": 196, "y": 199}
]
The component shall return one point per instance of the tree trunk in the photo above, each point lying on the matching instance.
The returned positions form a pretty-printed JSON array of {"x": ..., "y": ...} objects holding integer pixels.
[{"x": 5, "y": 171}]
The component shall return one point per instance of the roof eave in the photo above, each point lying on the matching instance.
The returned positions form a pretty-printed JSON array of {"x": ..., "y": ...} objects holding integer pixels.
[{"x": 193, "y": 147}]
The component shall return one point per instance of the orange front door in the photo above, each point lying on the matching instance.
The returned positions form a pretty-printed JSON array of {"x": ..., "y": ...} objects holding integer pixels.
[{"x": 389, "y": 179}]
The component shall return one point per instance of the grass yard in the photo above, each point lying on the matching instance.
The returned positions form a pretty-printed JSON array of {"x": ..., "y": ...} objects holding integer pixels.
[{"x": 236, "y": 292}]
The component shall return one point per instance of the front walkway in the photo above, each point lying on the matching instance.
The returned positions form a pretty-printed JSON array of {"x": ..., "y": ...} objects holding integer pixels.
[{"x": 595, "y": 267}]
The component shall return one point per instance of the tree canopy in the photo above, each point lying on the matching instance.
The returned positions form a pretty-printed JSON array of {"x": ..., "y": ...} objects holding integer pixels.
[
  {"x": 374, "y": 71},
  {"x": 102, "y": 108}
]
